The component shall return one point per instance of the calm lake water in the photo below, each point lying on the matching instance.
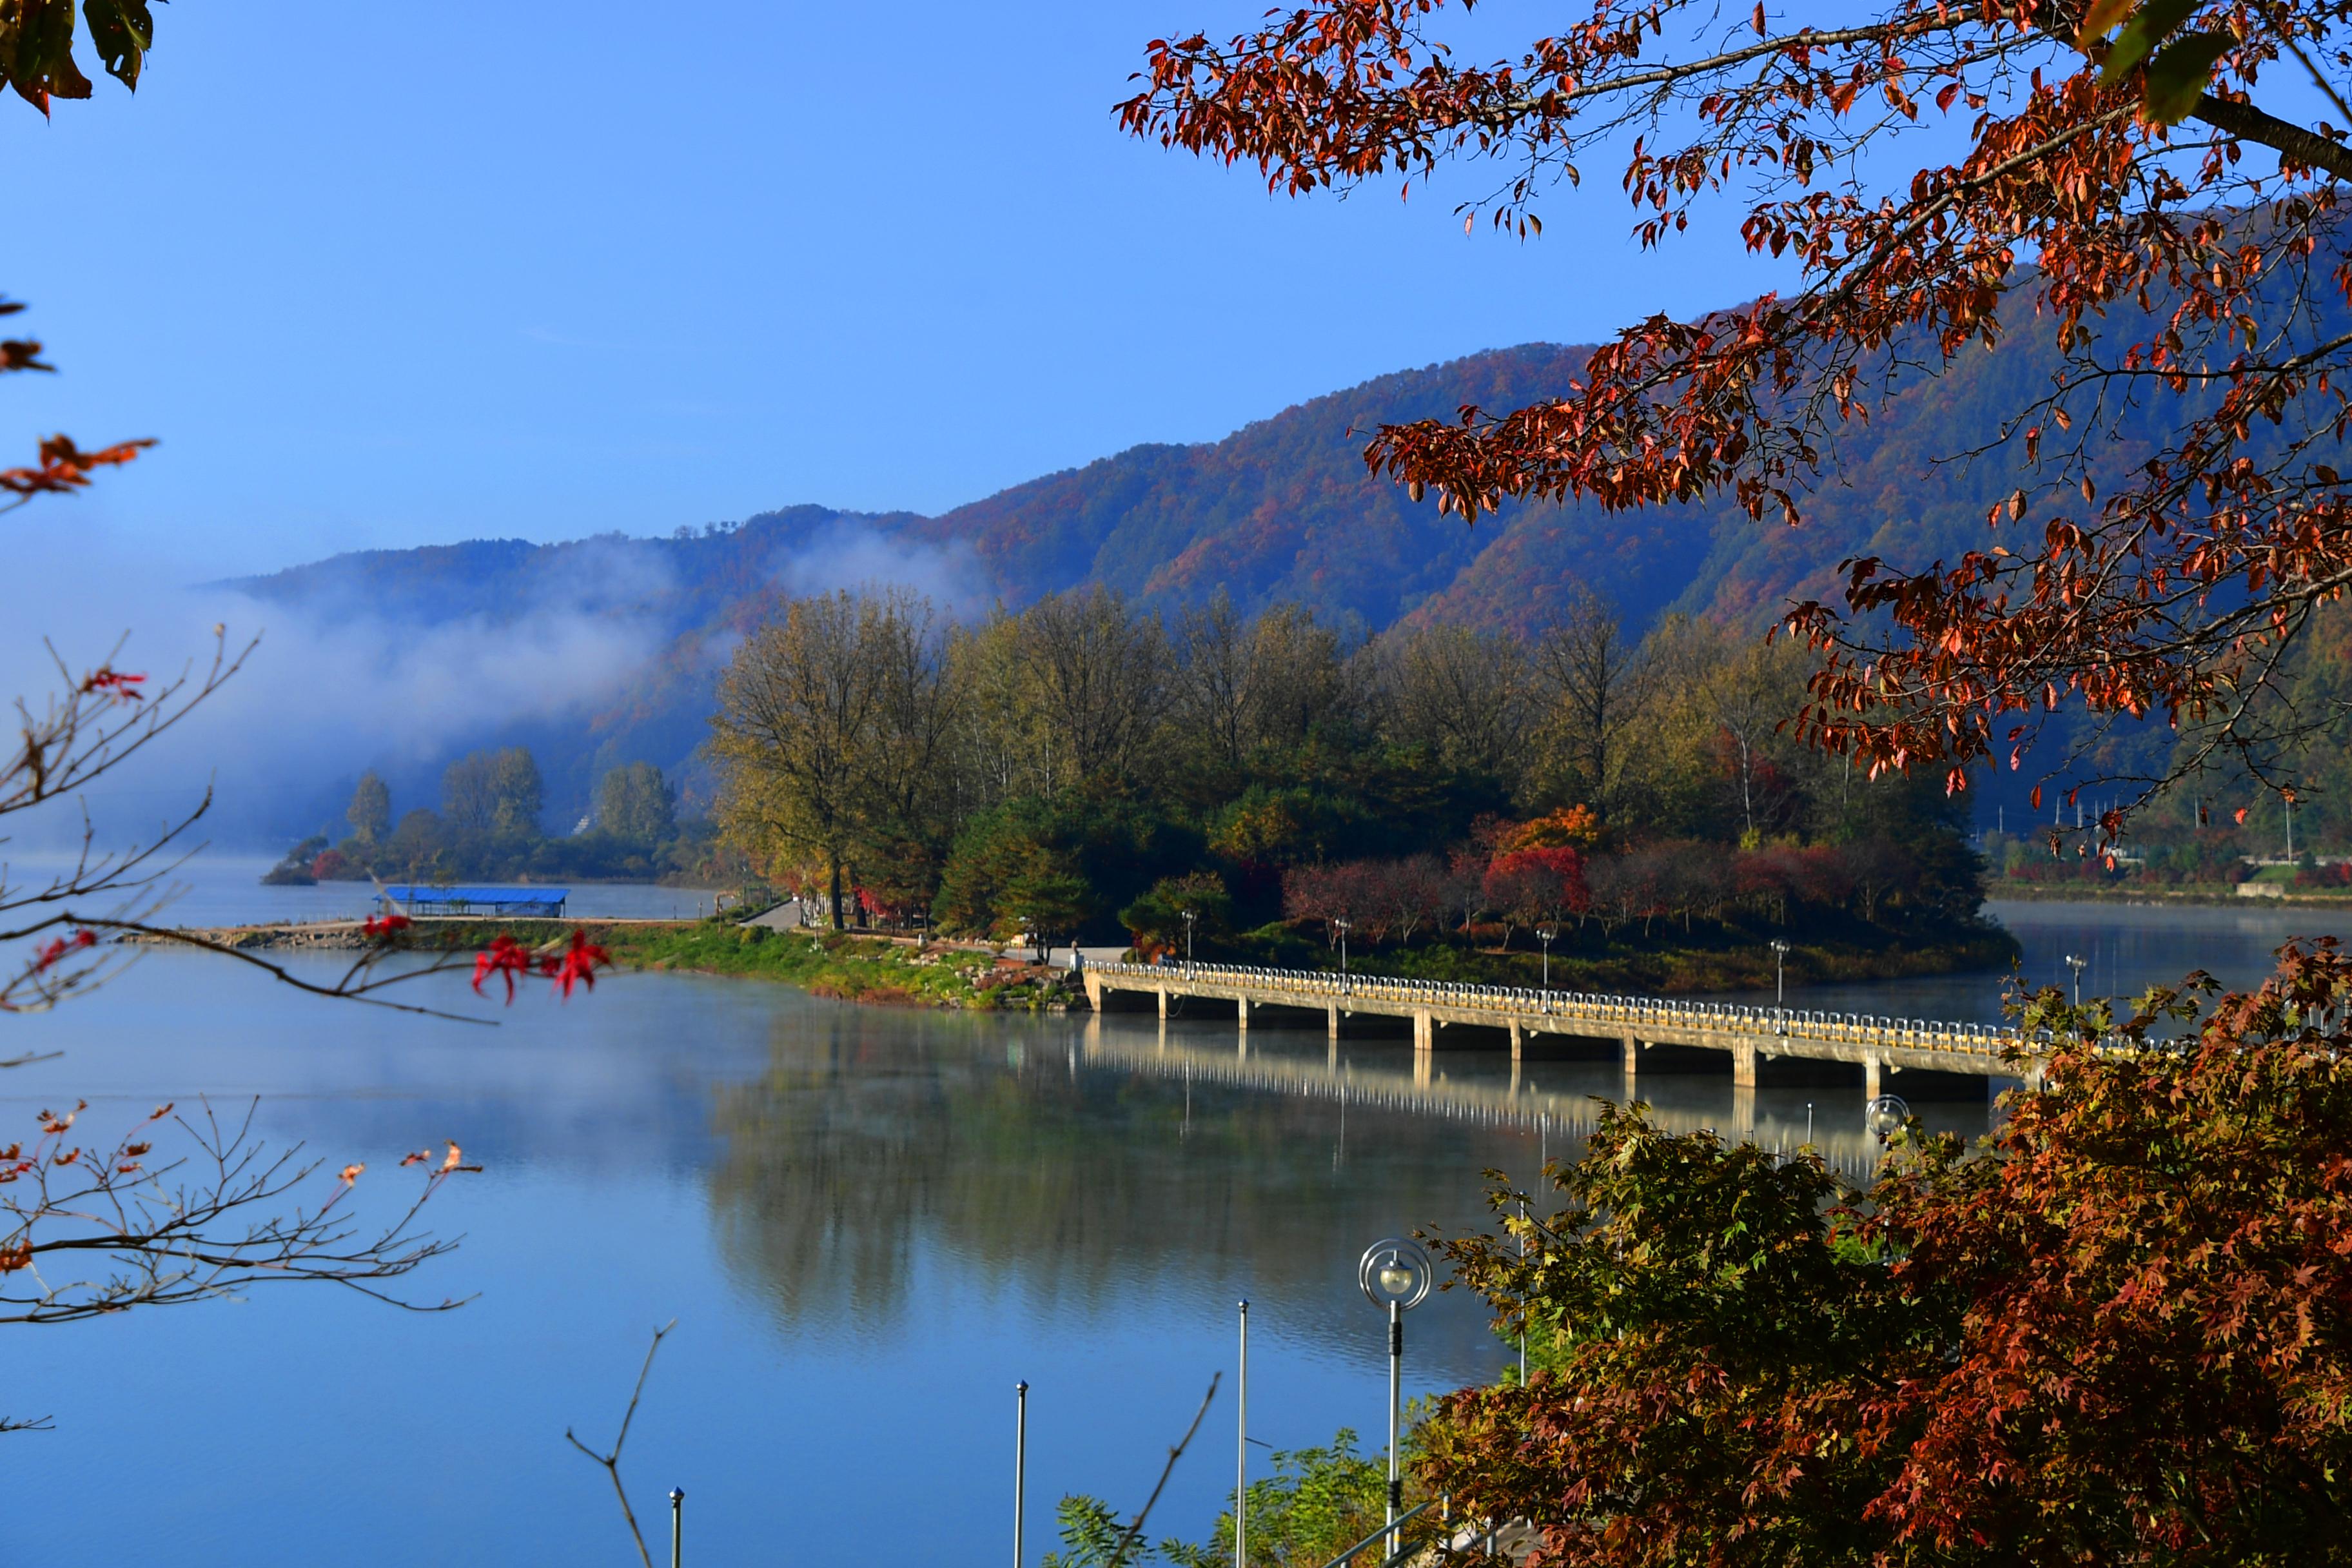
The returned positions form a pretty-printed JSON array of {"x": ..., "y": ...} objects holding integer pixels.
[{"x": 869, "y": 1225}]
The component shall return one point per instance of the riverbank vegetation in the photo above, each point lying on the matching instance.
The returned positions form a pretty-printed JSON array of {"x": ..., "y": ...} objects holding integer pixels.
[
  {"x": 1079, "y": 770},
  {"x": 844, "y": 965},
  {"x": 1713, "y": 1325}
]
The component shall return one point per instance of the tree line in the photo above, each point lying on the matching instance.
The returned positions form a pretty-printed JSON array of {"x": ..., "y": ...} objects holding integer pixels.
[
  {"x": 489, "y": 825},
  {"x": 1080, "y": 766}
]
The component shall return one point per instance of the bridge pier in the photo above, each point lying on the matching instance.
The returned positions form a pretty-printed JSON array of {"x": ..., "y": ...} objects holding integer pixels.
[
  {"x": 1870, "y": 1089},
  {"x": 1331, "y": 1016},
  {"x": 1515, "y": 1050},
  {"x": 1424, "y": 1034},
  {"x": 1743, "y": 1064},
  {"x": 1163, "y": 1003},
  {"x": 1633, "y": 1061},
  {"x": 1242, "y": 1005}
]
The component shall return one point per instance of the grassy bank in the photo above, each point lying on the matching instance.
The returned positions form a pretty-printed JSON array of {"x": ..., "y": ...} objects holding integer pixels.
[
  {"x": 852, "y": 968},
  {"x": 872, "y": 969}
]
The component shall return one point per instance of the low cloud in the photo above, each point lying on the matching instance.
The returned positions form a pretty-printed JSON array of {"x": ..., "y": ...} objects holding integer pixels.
[
  {"x": 850, "y": 553},
  {"x": 330, "y": 690}
]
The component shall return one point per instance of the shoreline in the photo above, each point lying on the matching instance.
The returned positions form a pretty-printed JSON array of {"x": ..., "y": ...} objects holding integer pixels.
[
  {"x": 2044, "y": 893},
  {"x": 894, "y": 971}
]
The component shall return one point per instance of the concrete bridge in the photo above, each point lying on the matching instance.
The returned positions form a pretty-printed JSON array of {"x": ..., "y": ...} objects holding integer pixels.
[{"x": 1752, "y": 1036}]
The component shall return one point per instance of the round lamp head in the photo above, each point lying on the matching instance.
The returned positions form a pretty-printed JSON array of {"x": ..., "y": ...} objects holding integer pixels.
[
  {"x": 1884, "y": 1116},
  {"x": 1395, "y": 1271}
]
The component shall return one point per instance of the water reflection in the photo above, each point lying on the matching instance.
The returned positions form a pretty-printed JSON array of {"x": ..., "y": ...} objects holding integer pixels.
[
  {"x": 1098, "y": 1164},
  {"x": 1039, "y": 1160}
]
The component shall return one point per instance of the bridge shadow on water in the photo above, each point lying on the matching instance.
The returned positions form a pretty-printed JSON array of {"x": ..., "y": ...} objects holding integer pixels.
[{"x": 1552, "y": 1090}]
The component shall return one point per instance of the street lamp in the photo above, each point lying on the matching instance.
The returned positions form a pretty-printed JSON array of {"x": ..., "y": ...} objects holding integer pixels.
[
  {"x": 1341, "y": 927},
  {"x": 1544, "y": 935},
  {"x": 1188, "y": 918},
  {"x": 1883, "y": 1117},
  {"x": 1020, "y": 1462},
  {"x": 1394, "y": 1274},
  {"x": 2077, "y": 965},
  {"x": 1780, "y": 986}
]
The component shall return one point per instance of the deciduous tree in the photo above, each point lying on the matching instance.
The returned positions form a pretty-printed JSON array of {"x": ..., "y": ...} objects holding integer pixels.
[
  {"x": 2111, "y": 1333},
  {"x": 370, "y": 809},
  {"x": 637, "y": 803}
]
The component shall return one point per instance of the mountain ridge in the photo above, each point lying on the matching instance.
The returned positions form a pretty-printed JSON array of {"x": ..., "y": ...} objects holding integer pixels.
[{"x": 1283, "y": 509}]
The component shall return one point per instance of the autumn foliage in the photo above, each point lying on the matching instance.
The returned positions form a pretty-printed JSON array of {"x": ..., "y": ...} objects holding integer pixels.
[
  {"x": 2119, "y": 188},
  {"x": 2114, "y": 1332}
]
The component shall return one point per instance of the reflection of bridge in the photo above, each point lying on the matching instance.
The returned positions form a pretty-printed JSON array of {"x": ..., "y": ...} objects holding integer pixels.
[
  {"x": 1562, "y": 1118},
  {"x": 1750, "y": 1036}
]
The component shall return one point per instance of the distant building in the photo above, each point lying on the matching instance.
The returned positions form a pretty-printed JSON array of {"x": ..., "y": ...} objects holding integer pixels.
[{"x": 516, "y": 903}]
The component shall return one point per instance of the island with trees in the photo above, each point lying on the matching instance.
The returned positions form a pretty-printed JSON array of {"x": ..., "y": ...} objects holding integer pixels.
[{"x": 488, "y": 828}]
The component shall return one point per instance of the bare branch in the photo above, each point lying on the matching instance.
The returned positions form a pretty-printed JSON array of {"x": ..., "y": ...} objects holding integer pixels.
[
  {"x": 1127, "y": 1541},
  {"x": 612, "y": 1461}
]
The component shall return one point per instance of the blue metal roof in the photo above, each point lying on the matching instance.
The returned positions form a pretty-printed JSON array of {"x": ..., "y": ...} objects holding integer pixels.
[{"x": 492, "y": 898}]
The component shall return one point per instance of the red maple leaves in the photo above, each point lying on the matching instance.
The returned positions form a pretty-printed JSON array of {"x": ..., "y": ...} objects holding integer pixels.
[
  {"x": 2162, "y": 584},
  {"x": 53, "y": 952},
  {"x": 575, "y": 964},
  {"x": 63, "y": 467}
]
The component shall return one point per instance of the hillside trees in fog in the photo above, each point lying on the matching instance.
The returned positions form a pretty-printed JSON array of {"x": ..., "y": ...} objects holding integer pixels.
[{"x": 1079, "y": 765}]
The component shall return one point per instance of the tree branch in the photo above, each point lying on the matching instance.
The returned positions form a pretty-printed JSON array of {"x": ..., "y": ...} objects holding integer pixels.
[
  {"x": 612, "y": 1461},
  {"x": 1127, "y": 1541},
  {"x": 2248, "y": 123}
]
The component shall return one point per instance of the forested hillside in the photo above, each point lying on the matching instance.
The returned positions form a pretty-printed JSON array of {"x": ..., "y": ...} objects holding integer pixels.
[{"x": 1282, "y": 511}]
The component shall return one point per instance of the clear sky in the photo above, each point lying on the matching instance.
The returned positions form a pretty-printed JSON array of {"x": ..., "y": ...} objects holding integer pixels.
[{"x": 391, "y": 275}]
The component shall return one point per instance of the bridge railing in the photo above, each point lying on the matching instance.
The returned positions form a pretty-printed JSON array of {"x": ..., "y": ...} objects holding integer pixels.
[{"x": 1596, "y": 1007}]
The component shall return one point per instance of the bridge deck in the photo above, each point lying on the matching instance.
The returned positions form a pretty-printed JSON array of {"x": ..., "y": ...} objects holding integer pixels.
[{"x": 1746, "y": 1034}]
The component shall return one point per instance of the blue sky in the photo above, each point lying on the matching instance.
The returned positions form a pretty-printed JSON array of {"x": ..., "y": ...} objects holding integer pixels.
[{"x": 382, "y": 275}]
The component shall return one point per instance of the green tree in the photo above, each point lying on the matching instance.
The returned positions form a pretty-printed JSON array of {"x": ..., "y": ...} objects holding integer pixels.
[
  {"x": 517, "y": 792},
  {"x": 635, "y": 804},
  {"x": 371, "y": 810},
  {"x": 1316, "y": 1504},
  {"x": 418, "y": 848},
  {"x": 1157, "y": 919},
  {"x": 1015, "y": 869},
  {"x": 495, "y": 793}
]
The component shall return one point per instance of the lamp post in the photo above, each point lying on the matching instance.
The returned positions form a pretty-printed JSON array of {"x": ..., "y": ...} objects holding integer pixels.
[
  {"x": 1341, "y": 927},
  {"x": 1020, "y": 1462},
  {"x": 1394, "y": 1274},
  {"x": 2077, "y": 965},
  {"x": 1188, "y": 941},
  {"x": 1779, "y": 987},
  {"x": 1544, "y": 935},
  {"x": 1241, "y": 1446}
]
